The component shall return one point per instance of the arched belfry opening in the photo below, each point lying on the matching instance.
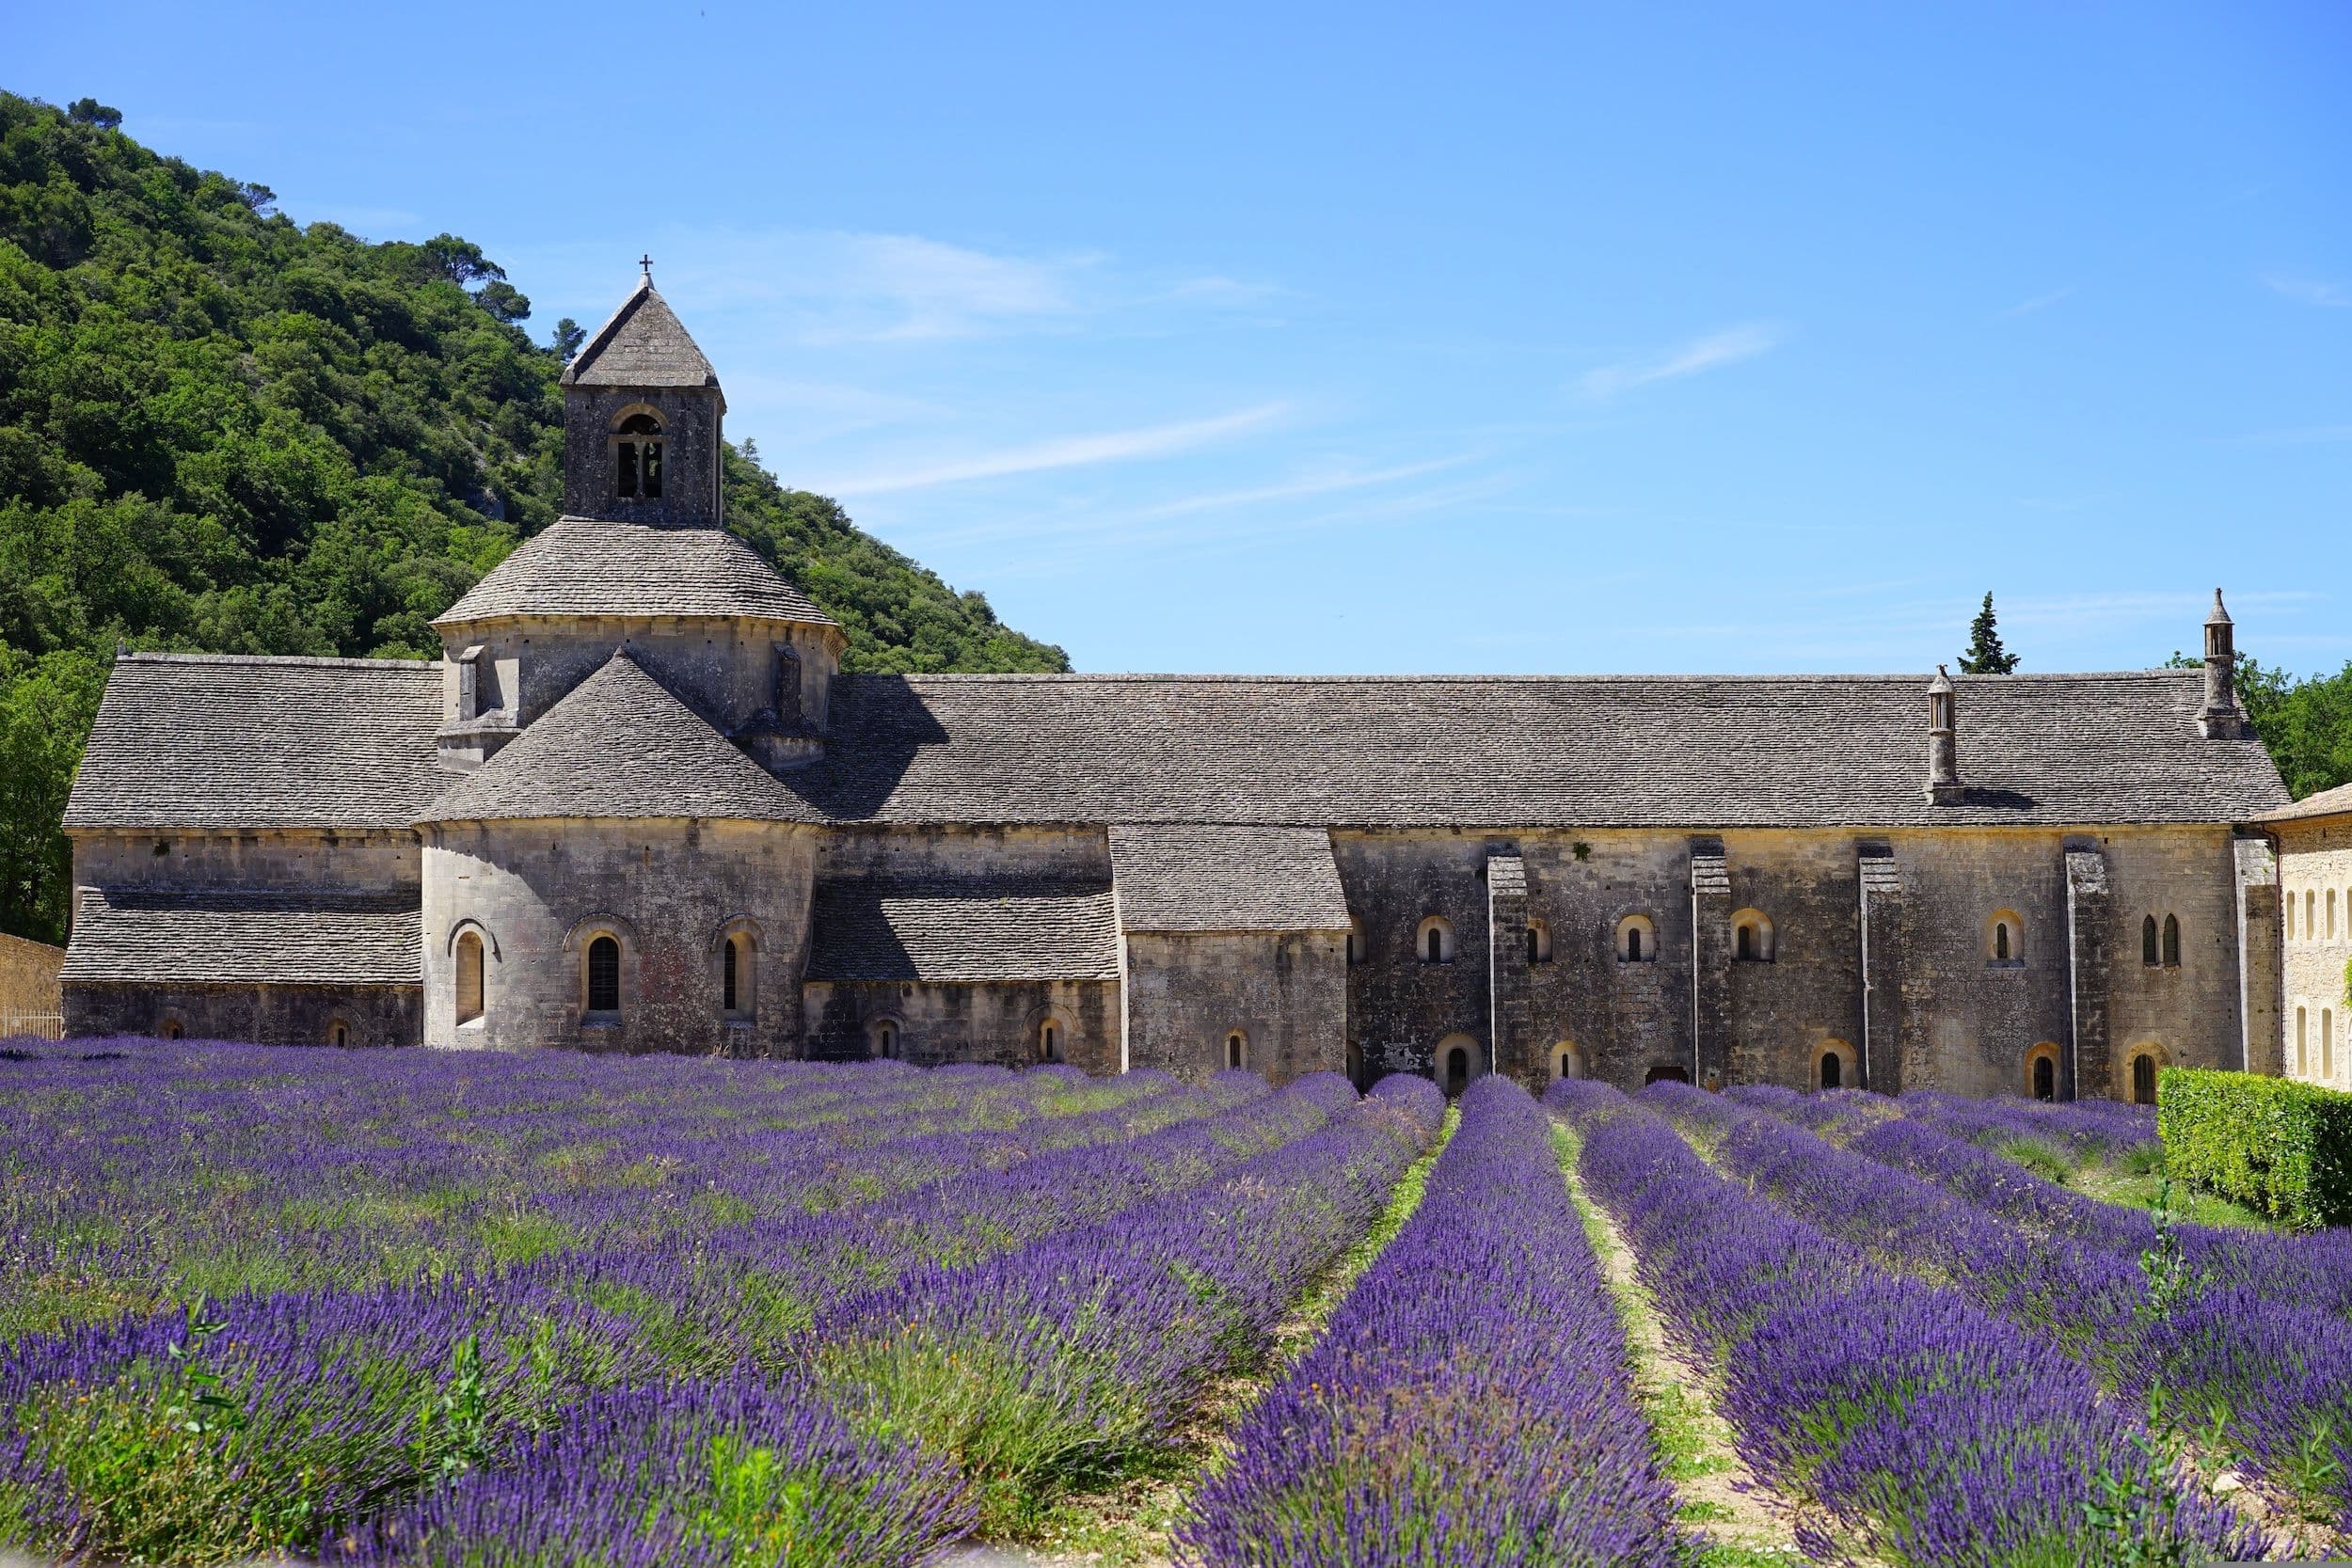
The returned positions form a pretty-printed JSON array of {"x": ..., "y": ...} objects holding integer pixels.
[
  {"x": 643, "y": 417},
  {"x": 637, "y": 457}
]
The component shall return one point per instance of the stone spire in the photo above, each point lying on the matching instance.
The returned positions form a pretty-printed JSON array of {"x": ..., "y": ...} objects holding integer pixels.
[
  {"x": 2220, "y": 718},
  {"x": 643, "y": 413},
  {"x": 1944, "y": 785}
]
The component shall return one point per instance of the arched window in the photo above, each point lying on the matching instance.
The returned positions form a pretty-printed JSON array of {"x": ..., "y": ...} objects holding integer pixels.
[
  {"x": 1458, "y": 1059},
  {"x": 338, "y": 1033},
  {"x": 2302, "y": 1043},
  {"x": 469, "y": 977},
  {"x": 637, "y": 457},
  {"x": 1538, "y": 943},
  {"x": 1049, "y": 1040},
  {"x": 1833, "y": 1067},
  {"x": 1567, "y": 1061},
  {"x": 2143, "y": 1079},
  {"x": 2311, "y": 929},
  {"x": 2327, "y": 1045},
  {"x": 1355, "y": 941},
  {"x": 1434, "y": 941},
  {"x": 2148, "y": 954},
  {"x": 1637, "y": 939},
  {"x": 887, "y": 1038},
  {"x": 2171, "y": 942},
  {"x": 2332, "y": 914},
  {"x": 174, "y": 1029},
  {"x": 1236, "y": 1050},
  {"x": 2005, "y": 940},
  {"x": 1750, "y": 937},
  {"x": 604, "y": 975},
  {"x": 2290, "y": 908}
]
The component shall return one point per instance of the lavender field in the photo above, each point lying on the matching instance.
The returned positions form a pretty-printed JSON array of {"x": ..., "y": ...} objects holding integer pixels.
[{"x": 400, "y": 1307}]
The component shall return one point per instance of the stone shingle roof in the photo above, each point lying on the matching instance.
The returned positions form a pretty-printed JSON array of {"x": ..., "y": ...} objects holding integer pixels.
[
  {"x": 243, "y": 937},
  {"x": 644, "y": 345},
  {"x": 2328, "y": 802},
  {"x": 1225, "y": 879},
  {"x": 1695, "y": 752},
  {"x": 186, "y": 740},
  {"x": 993, "y": 929},
  {"x": 595, "y": 566},
  {"x": 618, "y": 745}
]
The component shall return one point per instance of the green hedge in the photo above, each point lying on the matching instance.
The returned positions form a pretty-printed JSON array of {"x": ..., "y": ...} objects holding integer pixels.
[{"x": 2274, "y": 1145}]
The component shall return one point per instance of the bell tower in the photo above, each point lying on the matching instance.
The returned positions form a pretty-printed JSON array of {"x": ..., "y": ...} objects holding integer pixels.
[{"x": 642, "y": 417}]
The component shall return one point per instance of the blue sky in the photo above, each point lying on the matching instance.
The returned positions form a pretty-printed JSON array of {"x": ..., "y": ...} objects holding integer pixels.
[{"x": 1418, "y": 338}]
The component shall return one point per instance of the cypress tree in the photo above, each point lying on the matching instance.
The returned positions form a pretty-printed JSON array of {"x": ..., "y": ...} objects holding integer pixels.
[{"x": 1985, "y": 654}]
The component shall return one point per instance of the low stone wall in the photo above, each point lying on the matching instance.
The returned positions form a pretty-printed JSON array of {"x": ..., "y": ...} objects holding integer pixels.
[{"x": 266, "y": 1014}]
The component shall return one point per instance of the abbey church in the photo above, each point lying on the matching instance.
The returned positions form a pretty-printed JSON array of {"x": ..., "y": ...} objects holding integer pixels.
[{"x": 637, "y": 806}]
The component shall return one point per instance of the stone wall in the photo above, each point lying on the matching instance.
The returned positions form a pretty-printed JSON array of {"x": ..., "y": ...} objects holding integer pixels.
[
  {"x": 690, "y": 429},
  {"x": 724, "y": 665},
  {"x": 2315, "y": 861},
  {"x": 270, "y": 857},
  {"x": 668, "y": 892},
  {"x": 28, "y": 985},
  {"x": 956, "y": 853},
  {"x": 1942, "y": 1010},
  {"x": 269, "y": 1015},
  {"x": 1002, "y": 1022},
  {"x": 1284, "y": 991}
]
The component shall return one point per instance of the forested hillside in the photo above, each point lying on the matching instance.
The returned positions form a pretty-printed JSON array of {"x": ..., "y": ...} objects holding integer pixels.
[{"x": 222, "y": 431}]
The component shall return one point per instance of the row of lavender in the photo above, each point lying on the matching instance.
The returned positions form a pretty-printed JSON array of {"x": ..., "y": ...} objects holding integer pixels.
[
  {"x": 278, "y": 1415},
  {"x": 1469, "y": 1401},
  {"x": 2241, "y": 1335},
  {"x": 133, "y": 1175},
  {"x": 957, "y": 1396},
  {"x": 1927, "y": 1429}
]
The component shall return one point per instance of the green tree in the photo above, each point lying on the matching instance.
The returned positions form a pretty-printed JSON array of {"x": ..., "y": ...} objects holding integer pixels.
[
  {"x": 1985, "y": 654},
  {"x": 2306, "y": 724},
  {"x": 46, "y": 706}
]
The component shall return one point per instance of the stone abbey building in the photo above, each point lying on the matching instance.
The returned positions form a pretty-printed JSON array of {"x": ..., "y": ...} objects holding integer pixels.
[{"x": 637, "y": 806}]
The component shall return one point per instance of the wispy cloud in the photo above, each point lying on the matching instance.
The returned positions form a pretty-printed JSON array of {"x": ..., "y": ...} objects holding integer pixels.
[
  {"x": 1069, "y": 451},
  {"x": 2038, "y": 301},
  {"x": 2308, "y": 291},
  {"x": 1712, "y": 352},
  {"x": 2307, "y": 435}
]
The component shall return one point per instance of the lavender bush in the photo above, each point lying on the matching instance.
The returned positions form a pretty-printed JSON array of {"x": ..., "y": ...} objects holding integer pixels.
[
  {"x": 1052, "y": 1366},
  {"x": 2269, "y": 1380},
  {"x": 1467, "y": 1402},
  {"x": 1934, "y": 1432}
]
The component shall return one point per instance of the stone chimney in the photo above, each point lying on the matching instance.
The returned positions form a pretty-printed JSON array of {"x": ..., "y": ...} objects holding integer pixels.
[
  {"x": 2220, "y": 718},
  {"x": 1944, "y": 786}
]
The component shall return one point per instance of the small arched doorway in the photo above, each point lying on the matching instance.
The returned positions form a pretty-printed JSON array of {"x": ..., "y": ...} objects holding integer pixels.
[
  {"x": 1457, "y": 1060},
  {"x": 2044, "y": 1078},
  {"x": 1832, "y": 1071},
  {"x": 1666, "y": 1072},
  {"x": 2143, "y": 1080},
  {"x": 1456, "y": 1070}
]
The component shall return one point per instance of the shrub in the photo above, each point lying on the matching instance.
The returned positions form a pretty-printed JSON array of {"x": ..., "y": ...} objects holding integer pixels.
[{"x": 2277, "y": 1145}]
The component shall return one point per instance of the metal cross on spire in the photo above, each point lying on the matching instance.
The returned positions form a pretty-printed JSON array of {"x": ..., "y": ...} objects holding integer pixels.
[{"x": 644, "y": 264}]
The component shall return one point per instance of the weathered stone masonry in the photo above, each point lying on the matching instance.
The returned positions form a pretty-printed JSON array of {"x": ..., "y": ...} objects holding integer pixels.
[{"x": 637, "y": 806}]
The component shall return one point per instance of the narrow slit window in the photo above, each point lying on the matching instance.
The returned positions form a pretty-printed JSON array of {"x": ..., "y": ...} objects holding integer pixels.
[
  {"x": 469, "y": 977},
  {"x": 2148, "y": 954},
  {"x": 2171, "y": 942},
  {"x": 726, "y": 977}
]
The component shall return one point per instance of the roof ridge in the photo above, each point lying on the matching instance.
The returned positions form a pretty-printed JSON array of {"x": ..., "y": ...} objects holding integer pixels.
[
  {"x": 1139, "y": 678},
  {"x": 281, "y": 660}
]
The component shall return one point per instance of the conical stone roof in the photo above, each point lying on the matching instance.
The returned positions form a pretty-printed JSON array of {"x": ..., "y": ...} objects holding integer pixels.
[
  {"x": 644, "y": 345},
  {"x": 619, "y": 745},
  {"x": 597, "y": 566}
]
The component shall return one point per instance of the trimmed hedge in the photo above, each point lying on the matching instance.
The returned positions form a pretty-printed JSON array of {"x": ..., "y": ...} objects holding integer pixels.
[{"x": 2272, "y": 1144}]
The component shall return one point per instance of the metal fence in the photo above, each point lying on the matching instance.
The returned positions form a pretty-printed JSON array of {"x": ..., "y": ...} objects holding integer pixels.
[{"x": 48, "y": 1026}]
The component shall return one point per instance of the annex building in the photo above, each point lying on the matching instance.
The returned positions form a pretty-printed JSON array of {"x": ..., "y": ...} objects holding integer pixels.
[{"x": 637, "y": 806}]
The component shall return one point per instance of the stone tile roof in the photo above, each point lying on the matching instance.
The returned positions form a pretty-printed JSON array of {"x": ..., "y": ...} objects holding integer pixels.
[
  {"x": 1676, "y": 752},
  {"x": 644, "y": 345},
  {"x": 618, "y": 745},
  {"x": 1225, "y": 878},
  {"x": 596, "y": 567},
  {"x": 243, "y": 937},
  {"x": 188, "y": 740},
  {"x": 997, "y": 929},
  {"x": 2328, "y": 802}
]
